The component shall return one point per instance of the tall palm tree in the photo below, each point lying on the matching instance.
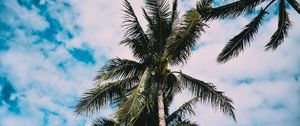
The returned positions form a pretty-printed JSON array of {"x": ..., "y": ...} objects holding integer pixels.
[
  {"x": 141, "y": 91},
  {"x": 239, "y": 7}
]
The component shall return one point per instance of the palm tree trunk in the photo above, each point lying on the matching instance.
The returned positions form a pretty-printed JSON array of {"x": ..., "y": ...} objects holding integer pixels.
[{"x": 161, "y": 107}]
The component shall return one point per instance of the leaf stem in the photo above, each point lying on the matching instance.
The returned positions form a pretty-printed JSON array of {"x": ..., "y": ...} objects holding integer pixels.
[{"x": 269, "y": 5}]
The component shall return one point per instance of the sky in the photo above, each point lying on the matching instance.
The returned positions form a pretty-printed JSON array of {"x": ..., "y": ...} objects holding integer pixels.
[{"x": 50, "y": 51}]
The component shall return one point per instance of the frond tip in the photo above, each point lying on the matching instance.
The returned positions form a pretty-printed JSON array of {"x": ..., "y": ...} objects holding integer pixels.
[
  {"x": 102, "y": 121},
  {"x": 238, "y": 43},
  {"x": 181, "y": 42},
  {"x": 174, "y": 15},
  {"x": 284, "y": 24},
  {"x": 180, "y": 114},
  {"x": 118, "y": 68},
  {"x": 134, "y": 32},
  {"x": 96, "y": 98},
  {"x": 131, "y": 109},
  {"x": 295, "y": 5},
  {"x": 207, "y": 93},
  {"x": 233, "y": 9}
]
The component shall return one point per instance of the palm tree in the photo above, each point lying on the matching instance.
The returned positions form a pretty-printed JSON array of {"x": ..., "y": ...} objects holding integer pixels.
[
  {"x": 141, "y": 91},
  {"x": 237, "y": 8}
]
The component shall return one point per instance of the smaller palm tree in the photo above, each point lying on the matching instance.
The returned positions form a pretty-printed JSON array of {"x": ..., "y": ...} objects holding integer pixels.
[
  {"x": 141, "y": 91},
  {"x": 235, "y": 9}
]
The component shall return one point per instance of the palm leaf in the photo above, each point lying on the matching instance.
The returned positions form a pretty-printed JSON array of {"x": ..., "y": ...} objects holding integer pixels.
[
  {"x": 131, "y": 109},
  {"x": 147, "y": 17},
  {"x": 180, "y": 44},
  {"x": 159, "y": 30},
  {"x": 158, "y": 9},
  {"x": 172, "y": 87},
  {"x": 208, "y": 94},
  {"x": 203, "y": 5},
  {"x": 134, "y": 32},
  {"x": 104, "y": 122},
  {"x": 96, "y": 98},
  {"x": 175, "y": 13},
  {"x": 233, "y": 9},
  {"x": 119, "y": 68},
  {"x": 182, "y": 112},
  {"x": 186, "y": 123},
  {"x": 151, "y": 23},
  {"x": 238, "y": 43},
  {"x": 284, "y": 25},
  {"x": 138, "y": 48},
  {"x": 295, "y": 5}
]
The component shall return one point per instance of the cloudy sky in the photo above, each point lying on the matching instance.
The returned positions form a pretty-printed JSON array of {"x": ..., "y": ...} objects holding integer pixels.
[{"x": 50, "y": 51}]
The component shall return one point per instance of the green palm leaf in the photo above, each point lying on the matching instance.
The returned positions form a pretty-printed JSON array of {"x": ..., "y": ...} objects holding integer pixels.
[
  {"x": 159, "y": 30},
  {"x": 295, "y": 5},
  {"x": 207, "y": 93},
  {"x": 181, "y": 42},
  {"x": 284, "y": 25},
  {"x": 233, "y": 9},
  {"x": 175, "y": 13},
  {"x": 104, "y": 122},
  {"x": 119, "y": 68},
  {"x": 186, "y": 123},
  {"x": 172, "y": 87},
  {"x": 233, "y": 48},
  {"x": 238, "y": 43},
  {"x": 136, "y": 37},
  {"x": 139, "y": 48},
  {"x": 104, "y": 94},
  {"x": 203, "y": 5},
  {"x": 149, "y": 19},
  {"x": 182, "y": 112},
  {"x": 158, "y": 9},
  {"x": 131, "y": 109}
]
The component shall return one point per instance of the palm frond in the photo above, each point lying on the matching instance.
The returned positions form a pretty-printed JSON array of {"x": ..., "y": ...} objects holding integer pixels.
[
  {"x": 102, "y": 121},
  {"x": 187, "y": 123},
  {"x": 208, "y": 94},
  {"x": 182, "y": 112},
  {"x": 180, "y": 44},
  {"x": 175, "y": 13},
  {"x": 131, "y": 109},
  {"x": 150, "y": 21},
  {"x": 158, "y": 9},
  {"x": 137, "y": 40},
  {"x": 203, "y": 5},
  {"x": 119, "y": 68},
  {"x": 138, "y": 48},
  {"x": 295, "y": 5},
  {"x": 96, "y": 98},
  {"x": 172, "y": 87},
  {"x": 284, "y": 24},
  {"x": 233, "y": 9},
  {"x": 159, "y": 30},
  {"x": 238, "y": 43}
]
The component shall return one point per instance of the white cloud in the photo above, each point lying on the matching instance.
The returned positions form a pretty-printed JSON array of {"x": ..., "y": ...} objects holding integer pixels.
[
  {"x": 17, "y": 15},
  {"x": 40, "y": 83}
]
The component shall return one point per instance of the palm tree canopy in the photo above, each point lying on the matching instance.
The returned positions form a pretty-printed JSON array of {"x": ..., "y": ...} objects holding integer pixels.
[
  {"x": 237, "y": 44},
  {"x": 132, "y": 86}
]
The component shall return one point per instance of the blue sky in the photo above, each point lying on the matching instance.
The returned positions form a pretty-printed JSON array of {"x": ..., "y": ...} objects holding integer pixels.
[{"x": 50, "y": 51}]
